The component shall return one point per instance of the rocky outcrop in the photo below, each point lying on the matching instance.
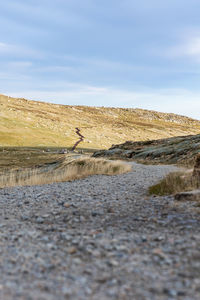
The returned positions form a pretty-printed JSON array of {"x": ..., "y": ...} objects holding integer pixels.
[
  {"x": 181, "y": 149},
  {"x": 196, "y": 172}
]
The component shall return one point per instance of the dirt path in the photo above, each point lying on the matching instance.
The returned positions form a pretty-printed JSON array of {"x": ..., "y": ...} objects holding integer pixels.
[{"x": 99, "y": 238}]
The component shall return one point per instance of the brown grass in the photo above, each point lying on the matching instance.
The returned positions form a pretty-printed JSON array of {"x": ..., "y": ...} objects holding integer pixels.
[
  {"x": 65, "y": 170},
  {"x": 175, "y": 183}
]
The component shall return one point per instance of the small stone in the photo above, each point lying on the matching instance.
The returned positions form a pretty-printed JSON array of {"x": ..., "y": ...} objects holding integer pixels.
[
  {"x": 170, "y": 292},
  {"x": 66, "y": 291},
  {"x": 181, "y": 293},
  {"x": 71, "y": 250},
  {"x": 112, "y": 282},
  {"x": 66, "y": 236},
  {"x": 67, "y": 205},
  {"x": 103, "y": 277},
  {"x": 159, "y": 238},
  {"x": 25, "y": 218},
  {"x": 88, "y": 291},
  {"x": 158, "y": 252},
  {"x": 46, "y": 216},
  {"x": 112, "y": 292},
  {"x": 121, "y": 248},
  {"x": 45, "y": 239},
  {"x": 39, "y": 220},
  {"x": 77, "y": 261},
  {"x": 94, "y": 213},
  {"x": 113, "y": 263},
  {"x": 96, "y": 253},
  {"x": 144, "y": 238},
  {"x": 110, "y": 210},
  {"x": 82, "y": 218},
  {"x": 77, "y": 220},
  {"x": 51, "y": 246}
]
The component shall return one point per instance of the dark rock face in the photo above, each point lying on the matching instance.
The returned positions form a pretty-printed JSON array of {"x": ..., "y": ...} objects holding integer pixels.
[{"x": 172, "y": 150}]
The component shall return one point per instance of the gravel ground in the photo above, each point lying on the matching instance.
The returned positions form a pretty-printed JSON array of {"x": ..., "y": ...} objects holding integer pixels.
[{"x": 99, "y": 238}]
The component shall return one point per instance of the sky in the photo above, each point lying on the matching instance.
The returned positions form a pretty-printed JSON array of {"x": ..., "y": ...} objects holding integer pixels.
[{"x": 118, "y": 53}]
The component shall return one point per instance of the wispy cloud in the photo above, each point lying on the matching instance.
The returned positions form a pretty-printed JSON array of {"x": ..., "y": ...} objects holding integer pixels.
[
  {"x": 192, "y": 48},
  {"x": 7, "y": 48},
  {"x": 20, "y": 64},
  {"x": 87, "y": 64},
  {"x": 188, "y": 46},
  {"x": 19, "y": 50}
]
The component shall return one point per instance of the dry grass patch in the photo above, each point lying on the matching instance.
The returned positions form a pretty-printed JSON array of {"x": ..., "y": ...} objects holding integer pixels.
[
  {"x": 175, "y": 183},
  {"x": 65, "y": 170}
]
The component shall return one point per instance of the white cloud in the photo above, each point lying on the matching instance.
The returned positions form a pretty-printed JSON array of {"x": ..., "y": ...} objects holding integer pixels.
[
  {"x": 20, "y": 64},
  {"x": 193, "y": 47},
  {"x": 7, "y": 48},
  {"x": 102, "y": 63},
  {"x": 189, "y": 46},
  {"x": 19, "y": 50}
]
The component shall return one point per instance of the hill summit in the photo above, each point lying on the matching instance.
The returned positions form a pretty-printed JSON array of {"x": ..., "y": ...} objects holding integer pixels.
[{"x": 33, "y": 123}]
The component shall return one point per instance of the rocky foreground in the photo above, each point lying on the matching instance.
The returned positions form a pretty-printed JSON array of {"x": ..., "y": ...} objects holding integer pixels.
[{"x": 99, "y": 238}]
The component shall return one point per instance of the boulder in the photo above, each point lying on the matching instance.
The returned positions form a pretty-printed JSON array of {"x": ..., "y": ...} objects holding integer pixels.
[{"x": 191, "y": 196}]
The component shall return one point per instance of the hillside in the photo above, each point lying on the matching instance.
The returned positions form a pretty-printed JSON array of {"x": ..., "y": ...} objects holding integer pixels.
[{"x": 33, "y": 123}]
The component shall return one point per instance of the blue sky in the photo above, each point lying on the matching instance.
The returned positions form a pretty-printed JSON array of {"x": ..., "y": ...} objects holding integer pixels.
[{"x": 120, "y": 53}]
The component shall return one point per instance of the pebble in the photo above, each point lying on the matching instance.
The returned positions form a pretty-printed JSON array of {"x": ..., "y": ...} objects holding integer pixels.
[
  {"x": 39, "y": 220},
  {"x": 71, "y": 250},
  {"x": 66, "y": 291},
  {"x": 67, "y": 205}
]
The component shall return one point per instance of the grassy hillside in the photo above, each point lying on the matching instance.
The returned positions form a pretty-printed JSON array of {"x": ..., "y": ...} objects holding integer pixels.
[{"x": 33, "y": 123}]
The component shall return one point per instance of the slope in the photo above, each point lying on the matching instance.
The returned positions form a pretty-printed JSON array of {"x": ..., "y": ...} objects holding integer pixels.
[{"x": 40, "y": 124}]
